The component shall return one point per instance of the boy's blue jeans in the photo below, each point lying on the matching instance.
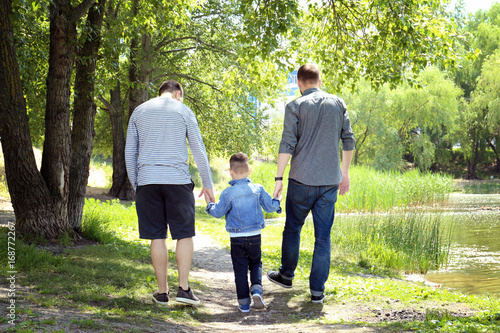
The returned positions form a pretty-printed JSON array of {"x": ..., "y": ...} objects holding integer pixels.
[
  {"x": 246, "y": 256},
  {"x": 300, "y": 200}
]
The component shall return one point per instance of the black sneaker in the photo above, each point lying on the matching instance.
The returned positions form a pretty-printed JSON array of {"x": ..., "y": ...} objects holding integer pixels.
[
  {"x": 276, "y": 277},
  {"x": 161, "y": 298},
  {"x": 318, "y": 299},
  {"x": 187, "y": 297}
]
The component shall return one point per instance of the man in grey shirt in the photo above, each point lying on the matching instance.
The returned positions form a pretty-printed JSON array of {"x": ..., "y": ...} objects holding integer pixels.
[
  {"x": 314, "y": 125},
  {"x": 156, "y": 156}
]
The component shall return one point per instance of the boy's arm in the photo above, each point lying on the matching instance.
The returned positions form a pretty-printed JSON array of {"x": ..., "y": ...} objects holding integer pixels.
[
  {"x": 269, "y": 204},
  {"x": 218, "y": 209}
]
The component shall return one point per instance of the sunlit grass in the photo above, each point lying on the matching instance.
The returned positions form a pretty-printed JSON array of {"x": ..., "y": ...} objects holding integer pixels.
[{"x": 101, "y": 173}]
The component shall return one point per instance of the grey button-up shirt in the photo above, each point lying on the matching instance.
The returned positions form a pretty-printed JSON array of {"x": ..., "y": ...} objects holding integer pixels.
[{"x": 313, "y": 127}]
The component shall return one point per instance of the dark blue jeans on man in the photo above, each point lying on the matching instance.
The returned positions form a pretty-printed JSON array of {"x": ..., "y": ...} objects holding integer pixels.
[
  {"x": 302, "y": 199},
  {"x": 246, "y": 256}
]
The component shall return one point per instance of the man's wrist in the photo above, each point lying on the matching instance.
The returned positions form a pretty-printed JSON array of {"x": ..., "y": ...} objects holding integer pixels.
[{"x": 278, "y": 178}]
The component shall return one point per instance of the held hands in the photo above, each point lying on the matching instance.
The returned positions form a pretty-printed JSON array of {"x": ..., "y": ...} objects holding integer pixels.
[
  {"x": 278, "y": 188},
  {"x": 208, "y": 193}
]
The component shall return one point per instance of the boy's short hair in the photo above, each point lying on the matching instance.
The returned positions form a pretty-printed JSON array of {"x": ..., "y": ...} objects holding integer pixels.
[
  {"x": 309, "y": 74},
  {"x": 239, "y": 163},
  {"x": 171, "y": 86}
]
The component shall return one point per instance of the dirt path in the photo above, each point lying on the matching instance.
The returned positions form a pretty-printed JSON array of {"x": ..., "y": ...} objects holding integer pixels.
[{"x": 212, "y": 265}]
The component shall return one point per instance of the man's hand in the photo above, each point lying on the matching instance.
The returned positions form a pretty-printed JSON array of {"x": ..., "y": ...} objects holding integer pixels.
[
  {"x": 208, "y": 192},
  {"x": 344, "y": 184},
  {"x": 277, "y": 189}
]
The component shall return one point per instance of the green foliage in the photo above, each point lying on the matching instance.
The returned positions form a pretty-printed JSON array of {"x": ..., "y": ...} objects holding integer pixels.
[
  {"x": 389, "y": 123},
  {"x": 31, "y": 29},
  {"x": 271, "y": 137},
  {"x": 423, "y": 151},
  {"x": 388, "y": 151},
  {"x": 376, "y": 40}
]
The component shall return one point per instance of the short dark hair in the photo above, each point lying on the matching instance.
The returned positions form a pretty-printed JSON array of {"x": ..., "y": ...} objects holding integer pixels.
[
  {"x": 239, "y": 163},
  {"x": 171, "y": 86},
  {"x": 308, "y": 74}
]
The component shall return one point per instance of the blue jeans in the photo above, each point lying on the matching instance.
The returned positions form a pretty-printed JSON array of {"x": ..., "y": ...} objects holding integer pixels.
[
  {"x": 300, "y": 200},
  {"x": 246, "y": 256}
]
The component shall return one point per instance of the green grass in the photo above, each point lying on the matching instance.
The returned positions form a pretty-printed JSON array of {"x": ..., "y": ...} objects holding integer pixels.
[{"x": 113, "y": 279}]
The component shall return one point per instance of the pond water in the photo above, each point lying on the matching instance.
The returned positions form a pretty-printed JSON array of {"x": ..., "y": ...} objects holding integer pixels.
[{"x": 474, "y": 263}]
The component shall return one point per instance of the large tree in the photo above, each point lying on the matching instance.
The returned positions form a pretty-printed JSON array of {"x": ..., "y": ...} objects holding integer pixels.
[
  {"x": 473, "y": 131},
  {"x": 40, "y": 199}
]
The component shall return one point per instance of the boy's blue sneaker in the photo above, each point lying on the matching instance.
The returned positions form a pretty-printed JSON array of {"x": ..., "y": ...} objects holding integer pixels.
[
  {"x": 244, "y": 307},
  {"x": 258, "y": 301}
]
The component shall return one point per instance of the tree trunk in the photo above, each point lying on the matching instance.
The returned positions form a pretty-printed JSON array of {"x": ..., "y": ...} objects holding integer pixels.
[
  {"x": 57, "y": 145},
  {"x": 139, "y": 71},
  {"x": 84, "y": 114},
  {"x": 121, "y": 187},
  {"x": 33, "y": 205},
  {"x": 496, "y": 152}
]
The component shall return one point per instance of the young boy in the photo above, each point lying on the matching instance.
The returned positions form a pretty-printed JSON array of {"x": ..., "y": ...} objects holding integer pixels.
[{"x": 241, "y": 204}]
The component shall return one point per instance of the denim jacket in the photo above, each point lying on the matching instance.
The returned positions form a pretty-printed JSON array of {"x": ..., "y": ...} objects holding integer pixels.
[{"x": 241, "y": 203}]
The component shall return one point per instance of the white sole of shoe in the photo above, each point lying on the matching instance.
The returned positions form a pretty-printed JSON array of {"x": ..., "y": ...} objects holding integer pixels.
[
  {"x": 187, "y": 301},
  {"x": 258, "y": 302},
  {"x": 318, "y": 301},
  {"x": 278, "y": 283}
]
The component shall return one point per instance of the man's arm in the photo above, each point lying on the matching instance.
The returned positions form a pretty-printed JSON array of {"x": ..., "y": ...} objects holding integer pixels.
[
  {"x": 131, "y": 151},
  {"x": 346, "y": 163},
  {"x": 200, "y": 156},
  {"x": 283, "y": 159}
]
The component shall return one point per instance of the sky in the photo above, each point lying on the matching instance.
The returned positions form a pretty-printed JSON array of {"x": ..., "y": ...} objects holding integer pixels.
[{"x": 474, "y": 5}]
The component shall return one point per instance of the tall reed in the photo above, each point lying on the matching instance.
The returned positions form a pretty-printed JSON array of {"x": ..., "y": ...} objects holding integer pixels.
[
  {"x": 372, "y": 190},
  {"x": 405, "y": 241}
]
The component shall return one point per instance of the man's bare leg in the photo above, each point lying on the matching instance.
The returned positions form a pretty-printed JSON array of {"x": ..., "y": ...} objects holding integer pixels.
[
  {"x": 184, "y": 256},
  {"x": 159, "y": 257}
]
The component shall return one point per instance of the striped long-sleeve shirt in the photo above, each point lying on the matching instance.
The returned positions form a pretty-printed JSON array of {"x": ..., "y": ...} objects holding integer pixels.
[{"x": 156, "y": 151}]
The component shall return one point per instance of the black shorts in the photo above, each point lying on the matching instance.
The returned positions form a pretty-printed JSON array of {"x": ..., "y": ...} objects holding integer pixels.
[{"x": 162, "y": 206}]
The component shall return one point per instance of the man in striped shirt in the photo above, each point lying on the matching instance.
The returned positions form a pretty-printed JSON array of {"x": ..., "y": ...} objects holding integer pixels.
[{"x": 156, "y": 155}]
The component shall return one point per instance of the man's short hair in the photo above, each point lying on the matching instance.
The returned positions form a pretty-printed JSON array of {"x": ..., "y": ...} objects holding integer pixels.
[
  {"x": 171, "y": 86},
  {"x": 239, "y": 163},
  {"x": 308, "y": 74}
]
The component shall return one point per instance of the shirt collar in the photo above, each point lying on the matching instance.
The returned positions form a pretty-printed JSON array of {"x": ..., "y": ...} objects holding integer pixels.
[
  {"x": 310, "y": 91},
  {"x": 239, "y": 181}
]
